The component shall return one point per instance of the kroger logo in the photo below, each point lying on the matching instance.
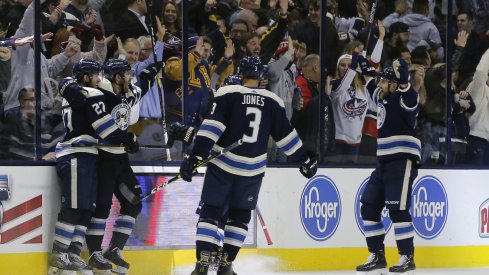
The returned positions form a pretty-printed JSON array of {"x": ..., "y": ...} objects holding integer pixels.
[
  {"x": 429, "y": 208},
  {"x": 484, "y": 219},
  {"x": 320, "y": 208},
  {"x": 386, "y": 220}
]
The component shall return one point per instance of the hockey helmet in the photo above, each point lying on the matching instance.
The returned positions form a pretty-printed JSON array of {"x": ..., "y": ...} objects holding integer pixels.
[
  {"x": 115, "y": 66},
  {"x": 251, "y": 67},
  {"x": 233, "y": 79},
  {"x": 85, "y": 66},
  {"x": 389, "y": 74}
]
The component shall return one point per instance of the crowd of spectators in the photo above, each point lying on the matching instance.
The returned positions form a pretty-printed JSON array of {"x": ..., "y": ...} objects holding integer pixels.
[{"x": 338, "y": 121}]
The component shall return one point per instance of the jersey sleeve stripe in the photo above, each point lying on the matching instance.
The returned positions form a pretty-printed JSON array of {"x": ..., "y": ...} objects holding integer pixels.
[
  {"x": 211, "y": 129},
  {"x": 290, "y": 144},
  {"x": 104, "y": 126}
]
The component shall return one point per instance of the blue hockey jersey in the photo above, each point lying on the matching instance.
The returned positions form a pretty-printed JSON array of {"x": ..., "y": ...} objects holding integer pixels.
[
  {"x": 119, "y": 106},
  {"x": 396, "y": 122},
  {"x": 251, "y": 114},
  {"x": 85, "y": 125}
]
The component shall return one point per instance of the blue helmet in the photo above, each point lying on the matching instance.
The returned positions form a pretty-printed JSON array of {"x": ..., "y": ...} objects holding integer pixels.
[
  {"x": 85, "y": 66},
  {"x": 389, "y": 74},
  {"x": 251, "y": 67},
  {"x": 233, "y": 79},
  {"x": 115, "y": 66}
]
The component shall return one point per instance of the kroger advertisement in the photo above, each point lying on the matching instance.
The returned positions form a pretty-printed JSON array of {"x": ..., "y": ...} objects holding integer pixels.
[{"x": 449, "y": 208}]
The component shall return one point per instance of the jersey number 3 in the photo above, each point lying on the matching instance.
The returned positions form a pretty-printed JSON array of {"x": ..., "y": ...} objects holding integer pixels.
[{"x": 254, "y": 124}]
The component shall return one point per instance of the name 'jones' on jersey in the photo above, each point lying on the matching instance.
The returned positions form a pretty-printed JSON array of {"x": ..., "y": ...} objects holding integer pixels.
[{"x": 253, "y": 99}]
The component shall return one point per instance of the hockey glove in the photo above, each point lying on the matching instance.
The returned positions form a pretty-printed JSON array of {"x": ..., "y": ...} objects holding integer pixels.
[
  {"x": 188, "y": 166},
  {"x": 178, "y": 131},
  {"x": 355, "y": 58},
  {"x": 149, "y": 73},
  {"x": 366, "y": 68},
  {"x": 72, "y": 92},
  {"x": 309, "y": 168},
  {"x": 130, "y": 143},
  {"x": 401, "y": 69}
]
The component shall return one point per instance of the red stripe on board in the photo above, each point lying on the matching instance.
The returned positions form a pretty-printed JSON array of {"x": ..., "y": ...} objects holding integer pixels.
[
  {"x": 22, "y": 209},
  {"x": 21, "y": 229},
  {"x": 154, "y": 216},
  {"x": 37, "y": 239}
]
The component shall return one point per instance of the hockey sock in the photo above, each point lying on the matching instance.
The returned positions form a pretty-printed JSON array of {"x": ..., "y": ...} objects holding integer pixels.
[
  {"x": 234, "y": 236},
  {"x": 63, "y": 234},
  {"x": 95, "y": 234},
  {"x": 78, "y": 239},
  {"x": 79, "y": 234},
  {"x": 207, "y": 237},
  {"x": 122, "y": 230},
  {"x": 404, "y": 231},
  {"x": 372, "y": 227},
  {"x": 235, "y": 231}
]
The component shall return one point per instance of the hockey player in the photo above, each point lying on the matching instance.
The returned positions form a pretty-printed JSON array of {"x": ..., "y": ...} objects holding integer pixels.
[
  {"x": 114, "y": 168},
  {"x": 390, "y": 184},
  {"x": 233, "y": 181},
  {"x": 85, "y": 121}
]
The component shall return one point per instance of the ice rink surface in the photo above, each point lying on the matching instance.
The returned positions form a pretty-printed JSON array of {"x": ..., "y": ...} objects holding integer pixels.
[{"x": 254, "y": 265}]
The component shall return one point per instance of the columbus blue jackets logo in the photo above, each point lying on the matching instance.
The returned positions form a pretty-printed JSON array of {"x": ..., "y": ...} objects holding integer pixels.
[
  {"x": 354, "y": 107},
  {"x": 121, "y": 114},
  {"x": 320, "y": 208},
  {"x": 429, "y": 207},
  {"x": 386, "y": 220},
  {"x": 381, "y": 113}
]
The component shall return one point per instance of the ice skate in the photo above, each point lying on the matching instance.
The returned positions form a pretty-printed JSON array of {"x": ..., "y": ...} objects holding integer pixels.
[
  {"x": 115, "y": 256},
  {"x": 225, "y": 267},
  {"x": 404, "y": 266},
  {"x": 208, "y": 261},
  {"x": 375, "y": 265},
  {"x": 59, "y": 264},
  {"x": 79, "y": 263},
  {"x": 99, "y": 264}
]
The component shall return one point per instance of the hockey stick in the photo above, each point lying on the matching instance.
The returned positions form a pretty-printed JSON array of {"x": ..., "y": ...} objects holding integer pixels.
[
  {"x": 132, "y": 198},
  {"x": 113, "y": 146},
  {"x": 263, "y": 226},
  {"x": 370, "y": 25},
  {"x": 160, "y": 89}
]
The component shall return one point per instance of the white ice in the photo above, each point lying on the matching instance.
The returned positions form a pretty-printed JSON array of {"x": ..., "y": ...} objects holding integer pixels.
[{"x": 261, "y": 265}]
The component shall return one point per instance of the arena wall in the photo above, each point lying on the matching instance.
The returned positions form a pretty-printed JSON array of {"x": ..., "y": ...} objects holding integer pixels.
[{"x": 314, "y": 224}]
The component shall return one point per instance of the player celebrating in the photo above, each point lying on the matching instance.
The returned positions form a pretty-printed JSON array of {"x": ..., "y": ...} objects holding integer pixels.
[
  {"x": 114, "y": 168},
  {"x": 85, "y": 120},
  {"x": 233, "y": 180},
  {"x": 390, "y": 184}
]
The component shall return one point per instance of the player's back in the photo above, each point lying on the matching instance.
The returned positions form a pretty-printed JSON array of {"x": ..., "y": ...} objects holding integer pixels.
[{"x": 251, "y": 114}]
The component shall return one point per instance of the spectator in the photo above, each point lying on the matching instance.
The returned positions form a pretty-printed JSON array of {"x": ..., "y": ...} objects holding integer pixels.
[
  {"x": 282, "y": 83},
  {"x": 131, "y": 50},
  {"x": 350, "y": 102},
  {"x": 171, "y": 19},
  {"x": 397, "y": 38},
  {"x": 307, "y": 30},
  {"x": 420, "y": 26},
  {"x": 474, "y": 48},
  {"x": 462, "y": 105},
  {"x": 133, "y": 22},
  {"x": 478, "y": 140},
  {"x": 21, "y": 127},
  {"x": 23, "y": 69},
  {"x": 306, "y": 119}
]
